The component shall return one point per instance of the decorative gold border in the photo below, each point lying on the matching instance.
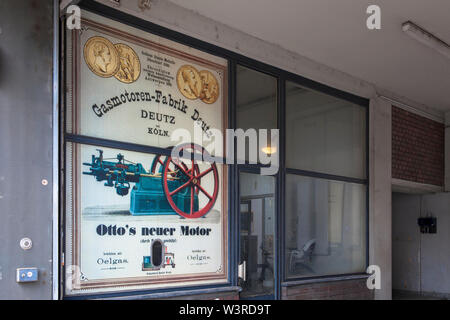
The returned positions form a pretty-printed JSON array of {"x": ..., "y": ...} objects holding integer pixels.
[{"x": 76, "y": 189}]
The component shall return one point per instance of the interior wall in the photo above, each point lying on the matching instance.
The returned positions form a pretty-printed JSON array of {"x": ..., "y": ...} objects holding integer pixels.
[
  {"x": 405, "y": 242},
  {"x": 421, "y": 262}
]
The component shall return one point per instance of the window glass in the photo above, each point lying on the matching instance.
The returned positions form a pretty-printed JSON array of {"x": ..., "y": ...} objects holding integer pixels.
[
  {"x": 324, "y": 134},
  {"x": 257, "y": 232},
  {"x": 256, "y": 99},
  {"x": 256, "y": 103},
  {"x": 325, "y": 227}
]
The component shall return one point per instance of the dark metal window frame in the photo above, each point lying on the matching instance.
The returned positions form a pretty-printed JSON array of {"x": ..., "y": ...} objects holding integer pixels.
[{"x": 234, "y": 170}]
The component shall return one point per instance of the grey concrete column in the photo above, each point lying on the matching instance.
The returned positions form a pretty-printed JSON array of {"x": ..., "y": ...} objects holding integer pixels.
[
  {"x": 380, "y": 193},
  {"x": 26, "y": 144}
]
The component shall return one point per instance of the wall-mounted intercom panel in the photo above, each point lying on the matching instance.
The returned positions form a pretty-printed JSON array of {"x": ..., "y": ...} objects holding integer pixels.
[{"x": 427, "y": 225}]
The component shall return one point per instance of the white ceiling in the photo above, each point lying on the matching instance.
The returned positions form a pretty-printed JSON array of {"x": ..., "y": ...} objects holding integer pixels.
[{"x": 334, "y": 32}]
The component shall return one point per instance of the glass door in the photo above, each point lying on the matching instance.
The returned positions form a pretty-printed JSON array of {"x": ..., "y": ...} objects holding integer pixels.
[{"x": 257, "y": 236}]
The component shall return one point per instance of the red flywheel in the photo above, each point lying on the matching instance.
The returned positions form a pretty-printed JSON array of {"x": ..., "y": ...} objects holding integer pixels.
[
  {"x": 189, "y": 169},
  {"x": 158, "y": 165}
]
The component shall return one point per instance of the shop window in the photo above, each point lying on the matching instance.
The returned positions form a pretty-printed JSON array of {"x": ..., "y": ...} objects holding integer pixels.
[
  {"x": 256, "y": 98},
  {"x": 324, "y": 134},
  {"x": 325, "y": 227},
  {"x": 326, "y": 185},
  {"x": 135, "y": 220},
  {"x": 257, "y": 234}
]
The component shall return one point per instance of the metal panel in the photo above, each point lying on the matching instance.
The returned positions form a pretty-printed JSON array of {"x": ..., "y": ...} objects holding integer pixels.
[{"x": 26, "y": 84}]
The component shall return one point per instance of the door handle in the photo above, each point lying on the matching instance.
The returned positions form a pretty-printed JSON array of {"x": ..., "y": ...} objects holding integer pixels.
[{"x": 242, "y": 271}]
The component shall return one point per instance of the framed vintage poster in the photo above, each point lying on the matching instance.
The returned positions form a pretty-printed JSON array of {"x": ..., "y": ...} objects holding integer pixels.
[{"x": 137, "y": 220}]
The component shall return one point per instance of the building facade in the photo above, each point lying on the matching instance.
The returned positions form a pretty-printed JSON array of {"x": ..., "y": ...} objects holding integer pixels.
[{"x": 100, "y": 208}]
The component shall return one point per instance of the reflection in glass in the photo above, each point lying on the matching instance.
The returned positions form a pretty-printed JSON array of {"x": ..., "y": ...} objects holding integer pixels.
[
  {"x": 257, "y": 231},
  {"x": 325, "y": 227},
  {"x": 324, "y": 134},
  {"x": 256, "y": 99}
]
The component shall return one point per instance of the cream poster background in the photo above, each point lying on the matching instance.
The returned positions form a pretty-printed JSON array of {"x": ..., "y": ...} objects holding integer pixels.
[
  {"x": 100, "y": 205},
  {"x": 148, "y": 122}
]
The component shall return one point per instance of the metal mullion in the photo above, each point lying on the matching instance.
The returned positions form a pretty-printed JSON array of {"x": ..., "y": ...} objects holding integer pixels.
[
  {"x": 233, "y": 230},
  {"x": 281, "y": 176},
  {"x": 368, "y": 183},
  {"x": 80, "y": 139},
  {"x": 321, "y": 175},
  {"x": 324, "y": 278}
]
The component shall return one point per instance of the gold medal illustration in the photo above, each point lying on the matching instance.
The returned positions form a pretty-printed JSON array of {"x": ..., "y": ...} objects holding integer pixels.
[
  {"x": 189, "y": 82},
  {"x": 210, "y": 90},
  {"x": 101, "y": 57},
  {"x": 130, "y": 66}
]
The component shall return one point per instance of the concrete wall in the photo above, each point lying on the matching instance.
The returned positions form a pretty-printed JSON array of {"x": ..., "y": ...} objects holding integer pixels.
[
  {"x": 421, "y": 262},
  {"x": 26, "y": 58},
  {"x": 405, "y": 242},
  {"x": 380, "y": 205}
]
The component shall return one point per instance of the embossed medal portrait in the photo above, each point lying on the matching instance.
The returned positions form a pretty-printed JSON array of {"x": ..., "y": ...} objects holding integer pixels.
[
  {"x": 189, "y": 82},
  {"x": 101, "y": 57},
  {"x": 210, "y": 91},
  {"x": 130, "y": 66}
]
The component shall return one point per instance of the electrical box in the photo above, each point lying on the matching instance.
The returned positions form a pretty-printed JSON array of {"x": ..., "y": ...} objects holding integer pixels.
[
  {"x": 26, "y": 275},
  {"x": 427, "y": 225}
]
